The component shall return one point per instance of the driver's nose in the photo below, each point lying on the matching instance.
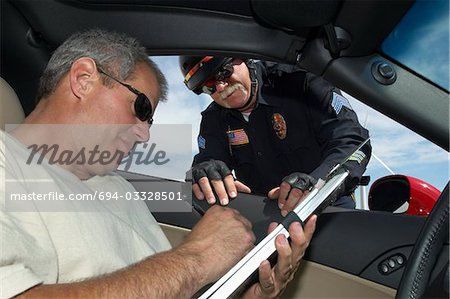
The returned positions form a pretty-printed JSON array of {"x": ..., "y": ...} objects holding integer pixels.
[{"x": 141, "y": 131}]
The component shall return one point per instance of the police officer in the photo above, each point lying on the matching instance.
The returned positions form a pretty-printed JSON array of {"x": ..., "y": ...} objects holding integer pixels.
[{"x": 280, "y": 129}]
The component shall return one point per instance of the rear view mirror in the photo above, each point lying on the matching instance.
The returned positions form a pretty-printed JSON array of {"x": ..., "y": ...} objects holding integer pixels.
[{"x": 402, "y": 194}]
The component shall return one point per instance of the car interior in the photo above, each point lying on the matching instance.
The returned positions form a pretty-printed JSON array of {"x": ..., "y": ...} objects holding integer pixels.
[{"x": 354, "y": 253}]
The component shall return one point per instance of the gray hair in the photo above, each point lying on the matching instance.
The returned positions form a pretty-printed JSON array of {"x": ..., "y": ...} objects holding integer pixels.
[{"x": 114, "y": 53}]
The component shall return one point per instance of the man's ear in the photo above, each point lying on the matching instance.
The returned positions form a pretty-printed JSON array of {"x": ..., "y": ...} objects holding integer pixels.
[{"x": 83, "y": 75}]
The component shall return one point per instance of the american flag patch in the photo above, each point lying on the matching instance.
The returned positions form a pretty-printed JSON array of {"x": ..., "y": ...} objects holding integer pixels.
[
  {"x": 357, "y": 156},
  {"x": 237, "y": 137},
  {"x": 338, "y": 102}
]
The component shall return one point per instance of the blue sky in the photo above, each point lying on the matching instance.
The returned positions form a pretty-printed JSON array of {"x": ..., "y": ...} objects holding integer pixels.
[
  {"x": 402, "y": 150},
  {"x": 421, "y": 40}
]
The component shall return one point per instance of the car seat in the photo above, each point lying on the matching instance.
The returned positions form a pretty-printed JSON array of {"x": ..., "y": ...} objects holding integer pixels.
[{"x": 11, "y": 108}]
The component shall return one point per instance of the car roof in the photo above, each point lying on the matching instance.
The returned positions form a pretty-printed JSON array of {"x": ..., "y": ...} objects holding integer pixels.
[{"x": 301, "y": 32}]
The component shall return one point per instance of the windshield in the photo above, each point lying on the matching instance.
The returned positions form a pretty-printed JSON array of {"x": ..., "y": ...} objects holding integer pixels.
[
  {"x": 421, "y": 41},
  {"x": 417, "y": 157}
]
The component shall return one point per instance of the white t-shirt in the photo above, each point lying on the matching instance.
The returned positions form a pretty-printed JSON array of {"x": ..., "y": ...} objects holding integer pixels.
[
  {"x": 42, "y": 246},
  {"x": 246, "y": 116}
]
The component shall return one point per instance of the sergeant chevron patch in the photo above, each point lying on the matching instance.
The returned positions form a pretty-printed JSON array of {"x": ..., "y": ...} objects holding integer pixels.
[
  {"x": 357, "y": 156},
  {"x": 338, "y": 102},
  {"x": 201, "y": 142}
]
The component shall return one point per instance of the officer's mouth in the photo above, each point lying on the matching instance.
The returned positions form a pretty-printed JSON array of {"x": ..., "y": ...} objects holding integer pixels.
[
  {"x": 229, "y": 90},
  {"x": 228, "y": 96}
]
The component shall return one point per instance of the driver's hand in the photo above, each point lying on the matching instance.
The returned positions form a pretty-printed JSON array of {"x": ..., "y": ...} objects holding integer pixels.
[
  {"x": 273, "y": 281},
  {"x": 215, "y": 176},
  {"x": 292, "y": 190},
  {"x": 220, "y": 239}
]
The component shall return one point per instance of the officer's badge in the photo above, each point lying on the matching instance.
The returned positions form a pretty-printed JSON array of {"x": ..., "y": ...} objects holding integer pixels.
[
  {"x": 279, "y": 125},
  {"x": 237, "y": 137}
]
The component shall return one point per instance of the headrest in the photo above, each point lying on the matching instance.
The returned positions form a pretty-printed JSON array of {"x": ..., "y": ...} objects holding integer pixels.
[{"x": 11, "y": 109}]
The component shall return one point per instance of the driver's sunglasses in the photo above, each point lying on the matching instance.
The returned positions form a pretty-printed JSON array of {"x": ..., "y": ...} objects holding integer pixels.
[
  {"x": 142, "y": 105},
  {"x": 224, "y": 72}
]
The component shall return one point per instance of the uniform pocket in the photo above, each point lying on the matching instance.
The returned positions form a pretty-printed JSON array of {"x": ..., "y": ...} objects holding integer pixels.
[
  {"x": 241, "y": 154},
  {"x": 299, "y": 157}
]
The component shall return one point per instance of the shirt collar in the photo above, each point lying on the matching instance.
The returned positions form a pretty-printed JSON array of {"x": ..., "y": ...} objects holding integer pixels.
[{"x": 265, "y": 85}]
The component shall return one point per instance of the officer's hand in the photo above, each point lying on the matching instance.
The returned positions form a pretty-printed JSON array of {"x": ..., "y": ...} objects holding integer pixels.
[
  {"x": 215, "y": 175},
  {"x": 292, "y": 190},
  {"x": 273, "y": 281}
]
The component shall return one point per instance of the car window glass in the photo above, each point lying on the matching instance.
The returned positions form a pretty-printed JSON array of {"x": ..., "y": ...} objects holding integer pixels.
[
  {"x": 421, "y": 41},
  {"x": 396, "y": 149}
]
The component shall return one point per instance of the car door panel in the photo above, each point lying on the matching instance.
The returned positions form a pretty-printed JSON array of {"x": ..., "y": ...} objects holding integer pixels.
[
  {"x": 314, "y": 280},
  {"x": 355, "y": 242}
]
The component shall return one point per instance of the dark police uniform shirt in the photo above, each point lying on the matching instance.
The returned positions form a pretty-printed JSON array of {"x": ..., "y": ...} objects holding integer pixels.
[{"x": 301, "y": 124}]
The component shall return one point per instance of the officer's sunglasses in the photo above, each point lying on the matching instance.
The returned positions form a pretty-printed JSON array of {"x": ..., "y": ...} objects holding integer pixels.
[
  {"x": 224, "y": 72},
  {"x": 142, "y": 105}
]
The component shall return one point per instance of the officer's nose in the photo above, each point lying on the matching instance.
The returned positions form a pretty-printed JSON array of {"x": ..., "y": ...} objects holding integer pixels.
[{"x": 220, "y": 85}]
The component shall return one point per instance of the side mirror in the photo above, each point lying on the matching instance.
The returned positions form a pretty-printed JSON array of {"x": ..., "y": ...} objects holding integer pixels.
[{"x": 402, "y": 194}]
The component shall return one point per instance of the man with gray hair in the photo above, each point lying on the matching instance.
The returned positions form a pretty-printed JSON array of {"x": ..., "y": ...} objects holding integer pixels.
[{"x": 105, "y": 81}]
